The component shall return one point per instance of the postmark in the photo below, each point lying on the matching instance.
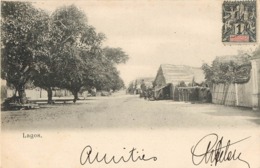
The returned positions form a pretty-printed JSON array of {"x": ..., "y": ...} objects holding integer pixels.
[{"x": 239, "y": 20}]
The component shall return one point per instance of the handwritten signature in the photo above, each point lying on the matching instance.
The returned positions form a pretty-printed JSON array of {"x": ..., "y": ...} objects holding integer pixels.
[
  {"x": 215, "y": 152},
  {"x": 132, "y": 155}
]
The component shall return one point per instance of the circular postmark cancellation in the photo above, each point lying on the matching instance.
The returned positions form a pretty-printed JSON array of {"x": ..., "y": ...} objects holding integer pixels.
[{"x": 239, "y": 22}]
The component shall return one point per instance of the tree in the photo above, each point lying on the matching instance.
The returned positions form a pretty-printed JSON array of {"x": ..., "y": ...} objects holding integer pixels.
[
  {"x": 76, "y": 46},
  {"x": 256, "y": 53},
  {"x": 23, "y": 34},
  {"x": 108, "y": 77},
  {"x": 45, "y": 75},
  {"x": 115, "y": 55},
  {"x": 60, "y": 50},
  {"x": 228, "y": 69}
]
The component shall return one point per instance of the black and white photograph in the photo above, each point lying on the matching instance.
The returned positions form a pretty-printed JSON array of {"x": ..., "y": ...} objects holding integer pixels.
[{"x": 115, "y": 84}]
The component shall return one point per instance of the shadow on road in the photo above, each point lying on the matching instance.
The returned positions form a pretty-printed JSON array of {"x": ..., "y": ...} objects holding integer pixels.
[
  {"x": 256, "y": 121},
  {"x": 237, "y": 111}
]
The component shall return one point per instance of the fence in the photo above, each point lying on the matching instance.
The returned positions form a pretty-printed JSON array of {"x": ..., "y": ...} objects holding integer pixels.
[
  {"x": 201, "y": 94},
  {"x": 233, "y": 94}
]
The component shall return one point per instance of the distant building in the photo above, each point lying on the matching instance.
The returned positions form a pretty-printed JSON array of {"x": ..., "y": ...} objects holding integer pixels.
[
  {"x": 135, "y": 85},
  {"x": 169, "y": 77}
]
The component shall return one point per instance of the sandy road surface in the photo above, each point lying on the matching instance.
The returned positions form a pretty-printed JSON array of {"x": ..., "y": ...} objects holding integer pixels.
[{"x": 129, "y": 111}]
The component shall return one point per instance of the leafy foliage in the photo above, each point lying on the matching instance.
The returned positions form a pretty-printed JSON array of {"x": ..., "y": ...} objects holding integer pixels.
[
  {"x": 60, "y": 50},
  {"x": 115, "y": 55},
  {"x": 23, "y": 36},
  {"x": 229, "y": 69},
  {"x": 256, "y": 53}
]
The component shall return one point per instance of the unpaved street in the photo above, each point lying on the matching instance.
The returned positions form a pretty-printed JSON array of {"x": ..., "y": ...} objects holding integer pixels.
[{"x": 129, "y": 111}]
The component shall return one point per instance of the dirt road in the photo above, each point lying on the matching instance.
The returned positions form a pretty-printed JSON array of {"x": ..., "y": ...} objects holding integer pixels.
[{"x": 129, "y": 111}]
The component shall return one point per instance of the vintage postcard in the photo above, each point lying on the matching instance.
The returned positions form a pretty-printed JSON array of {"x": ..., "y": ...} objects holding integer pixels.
[{"x": 119, "y": 84}]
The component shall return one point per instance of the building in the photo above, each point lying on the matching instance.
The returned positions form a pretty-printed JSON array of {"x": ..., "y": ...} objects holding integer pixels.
[
  {"x": 135, "y": 85},
  {"x": 244, "y": 89},
  {"x": 169, "y": 77}
]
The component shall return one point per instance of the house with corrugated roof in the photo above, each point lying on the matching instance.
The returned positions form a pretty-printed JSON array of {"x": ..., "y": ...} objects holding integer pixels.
[{"x": 170, "y": 76}]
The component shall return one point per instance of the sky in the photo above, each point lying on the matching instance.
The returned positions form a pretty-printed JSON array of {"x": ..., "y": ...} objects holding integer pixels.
[{"x": 153, "y": 32}]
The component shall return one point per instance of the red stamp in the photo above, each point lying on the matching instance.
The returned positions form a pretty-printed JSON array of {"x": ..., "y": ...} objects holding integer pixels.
[{"x": 239, "y": 38}]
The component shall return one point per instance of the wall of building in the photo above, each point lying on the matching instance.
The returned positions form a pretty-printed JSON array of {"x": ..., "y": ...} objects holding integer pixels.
[{"x": 245, "y": 95}]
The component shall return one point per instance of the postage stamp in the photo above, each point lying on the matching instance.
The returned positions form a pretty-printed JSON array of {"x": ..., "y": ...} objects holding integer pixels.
[{"x": 239, "y": 21}]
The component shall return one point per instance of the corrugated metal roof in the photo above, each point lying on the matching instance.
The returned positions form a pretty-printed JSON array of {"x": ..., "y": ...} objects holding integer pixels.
[{"x": 177, "y": 73}]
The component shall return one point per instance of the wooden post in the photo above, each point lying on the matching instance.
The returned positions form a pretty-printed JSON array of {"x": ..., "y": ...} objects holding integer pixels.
[
  {"x": 255, "y": 62},
  {"x": 226, "y": 89},
  {"x": 236, "y": 90}
]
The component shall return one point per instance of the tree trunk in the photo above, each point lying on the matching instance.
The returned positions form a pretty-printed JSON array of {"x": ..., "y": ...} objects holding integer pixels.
[
  {"x": 21, "y": 94},
  {"x": 75, "y": 94},
  {"x": 49, "y": 91}
]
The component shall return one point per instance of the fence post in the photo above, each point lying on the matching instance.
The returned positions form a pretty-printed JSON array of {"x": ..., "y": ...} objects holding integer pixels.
[
  {"x": 255, "y": 62},
  {"x": 236, "y": 90},
  {"x": 226, "y": 88}
]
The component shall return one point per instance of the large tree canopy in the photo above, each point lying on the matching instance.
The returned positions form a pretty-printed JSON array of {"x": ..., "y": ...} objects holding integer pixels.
[
  {"x": 77, "y": 45},
  {"x": 108, "y": 77},
  {"x": 61, "y": 50},
  {"x": 23, "y": 36}
]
